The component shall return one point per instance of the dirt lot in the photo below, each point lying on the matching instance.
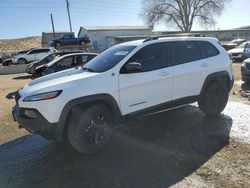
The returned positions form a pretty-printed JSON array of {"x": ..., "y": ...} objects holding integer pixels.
[
  {"x": 7, "y": 45},
  {"x": 178, "y": 148}
]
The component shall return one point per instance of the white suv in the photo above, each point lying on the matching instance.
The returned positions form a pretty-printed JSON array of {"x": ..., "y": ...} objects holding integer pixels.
[
  {"x": 32, "y": 55},
  {"x": 83, "y": 105}
]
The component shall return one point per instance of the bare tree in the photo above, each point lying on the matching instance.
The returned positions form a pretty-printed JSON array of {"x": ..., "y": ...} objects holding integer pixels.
[{"x": 182, "y": 13}]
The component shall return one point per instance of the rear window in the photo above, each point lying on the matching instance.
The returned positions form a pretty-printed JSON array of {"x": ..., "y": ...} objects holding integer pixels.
[{"x": 208, "y": 50}]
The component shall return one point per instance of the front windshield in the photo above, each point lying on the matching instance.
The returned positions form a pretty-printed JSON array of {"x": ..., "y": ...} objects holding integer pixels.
[
  {"x": 108, "y": 59},
  {"x": 49, "y": 58},
  {"x": 242, "y": 45}
]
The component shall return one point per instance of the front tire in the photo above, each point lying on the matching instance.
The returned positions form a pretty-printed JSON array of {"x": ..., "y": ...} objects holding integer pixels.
[
  {"x": 21, "y": 61},
  {"x": 89, "y": 131},
  {"x": 214, "y": 99}
]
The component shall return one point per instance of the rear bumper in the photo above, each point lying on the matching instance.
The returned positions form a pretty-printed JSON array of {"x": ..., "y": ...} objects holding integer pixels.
[{"x": 36, "y": 124}]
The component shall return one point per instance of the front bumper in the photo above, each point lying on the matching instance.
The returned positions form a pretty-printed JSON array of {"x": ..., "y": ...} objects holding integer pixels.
[
  {"x": 36, "y": 124},
  {"x": 245, "y": 74}
]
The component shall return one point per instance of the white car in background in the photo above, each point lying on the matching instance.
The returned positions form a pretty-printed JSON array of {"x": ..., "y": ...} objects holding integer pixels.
[
  {"x": 241, "y": 52},
  {"x": 32, "y": 55}
]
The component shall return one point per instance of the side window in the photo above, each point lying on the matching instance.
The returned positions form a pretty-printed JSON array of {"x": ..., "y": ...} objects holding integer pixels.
[
  {"x": 39, "y": 51},
  {"x": 66, "y": 62},
  {"x": 208, "y": 50},
  {"x": 151, "y": 57},
  {"x": 185, "y": 52},
  {"x": 34, "y": 52}
]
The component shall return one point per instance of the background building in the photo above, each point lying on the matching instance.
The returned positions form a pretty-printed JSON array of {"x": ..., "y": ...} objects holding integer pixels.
[
  {"x": 103, "y": 37},
  {"x": 222, "y": 35}
]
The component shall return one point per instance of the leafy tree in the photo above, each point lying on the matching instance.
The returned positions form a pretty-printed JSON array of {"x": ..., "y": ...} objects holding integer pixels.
[{"x": 182, "y": 13}]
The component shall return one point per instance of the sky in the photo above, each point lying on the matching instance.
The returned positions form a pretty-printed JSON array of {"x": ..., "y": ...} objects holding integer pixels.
[{"x": 23, "y": 18}]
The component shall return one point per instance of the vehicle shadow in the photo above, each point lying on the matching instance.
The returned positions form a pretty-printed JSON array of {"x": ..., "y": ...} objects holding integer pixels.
[
  {"x": 10, "y": 95},
  {"x": 156, "y": 151},
  {"x": 22, "y": 77}
]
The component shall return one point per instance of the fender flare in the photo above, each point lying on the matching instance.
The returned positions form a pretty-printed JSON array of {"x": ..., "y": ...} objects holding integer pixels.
[{"x": 107, "y": 99}]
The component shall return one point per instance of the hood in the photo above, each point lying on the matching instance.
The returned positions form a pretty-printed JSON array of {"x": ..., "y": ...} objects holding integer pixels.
[
  {"x": 57, "y": 75},
  {"x": 236, "y": 50}
]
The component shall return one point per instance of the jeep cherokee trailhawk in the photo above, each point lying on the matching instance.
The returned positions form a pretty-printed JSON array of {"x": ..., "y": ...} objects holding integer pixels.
[{"x": 83, "y": 105}]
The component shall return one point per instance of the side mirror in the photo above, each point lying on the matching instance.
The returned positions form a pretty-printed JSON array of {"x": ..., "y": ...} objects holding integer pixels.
[{"x": 133, "y": 67}]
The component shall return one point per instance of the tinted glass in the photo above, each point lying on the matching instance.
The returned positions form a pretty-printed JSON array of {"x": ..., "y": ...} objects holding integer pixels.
[
  {"x": 109, "y": 58},
  {"x": 151, "y": 57},
  {"x": 185, "y": 51},
  {"x": 39, "y": 51},
  {"x": 65, "y": 62},
  {"x": 208, "y": 50}
]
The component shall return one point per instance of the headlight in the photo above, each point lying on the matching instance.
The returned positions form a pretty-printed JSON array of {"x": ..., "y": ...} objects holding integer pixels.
[{"x": 43, "y": 96}]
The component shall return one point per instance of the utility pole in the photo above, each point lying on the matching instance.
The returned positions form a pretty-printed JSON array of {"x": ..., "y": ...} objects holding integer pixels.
[
  {"x": 67, "y": 2},
  {"x": 52, "y": 22}
]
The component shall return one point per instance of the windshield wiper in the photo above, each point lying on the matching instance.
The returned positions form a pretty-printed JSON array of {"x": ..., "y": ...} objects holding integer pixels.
[{"x": 87, "y": 69}]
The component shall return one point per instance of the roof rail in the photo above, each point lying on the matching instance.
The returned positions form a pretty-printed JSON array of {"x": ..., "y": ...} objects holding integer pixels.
[
  {"x": 174, "y": 35},
  {"x": 151, "y": 38}
]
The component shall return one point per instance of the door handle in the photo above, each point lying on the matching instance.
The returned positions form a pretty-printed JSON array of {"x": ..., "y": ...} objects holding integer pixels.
[
  {"x": 204, "y": 65},
  {"x": 164, "y": 74}
]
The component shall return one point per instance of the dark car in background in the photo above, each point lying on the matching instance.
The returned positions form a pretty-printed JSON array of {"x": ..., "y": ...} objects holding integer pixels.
[
  {"x": 245, "y": 70},
  {"x": 69, "y": 39},
  {"x": 64, "y": 62},
  {"x": 30, "y": 69}
]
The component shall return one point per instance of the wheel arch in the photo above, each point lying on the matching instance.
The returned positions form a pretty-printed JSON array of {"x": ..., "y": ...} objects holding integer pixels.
[
  {"x": 83, "y": 103},
  {"x": 222, "y": 76}
]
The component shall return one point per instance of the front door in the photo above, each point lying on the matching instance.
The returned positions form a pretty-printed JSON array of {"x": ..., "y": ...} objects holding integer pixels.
[{"x": 150, "y": 86}]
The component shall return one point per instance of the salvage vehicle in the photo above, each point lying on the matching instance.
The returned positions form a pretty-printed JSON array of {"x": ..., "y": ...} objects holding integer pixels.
[
  {"x": 32, "y": 55},
  {"x": 69, "y": 39},
  {"x": 64, "y": 62},
  {"x": 84, "y": 105},
  {"x": 241, "y": 52},
  {"x": 30, "y": 69},
  {"x": 245, "y": 70}
]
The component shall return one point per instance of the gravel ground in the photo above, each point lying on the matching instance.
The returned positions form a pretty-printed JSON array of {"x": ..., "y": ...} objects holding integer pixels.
[{"x": 178, "y": 148}]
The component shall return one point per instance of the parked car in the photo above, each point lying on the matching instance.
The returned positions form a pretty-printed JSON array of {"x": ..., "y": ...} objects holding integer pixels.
[
  {"x": 69, "y": 39},
  {"x": 64, "y": 62},
  {"x": 32, "y": 55},
  {"x": 7, "y": 62},
  {"x": 245, "y": 70},
  {"x": 233, "y": 44},
  {"x": 241, "y": 52},
  {"x": 30, "y": 69},
  {"x": 131, "y": 79}
]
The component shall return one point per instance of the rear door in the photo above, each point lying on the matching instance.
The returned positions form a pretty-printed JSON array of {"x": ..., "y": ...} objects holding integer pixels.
[
  {"x": 189, "y": 67},
  {"x": 150, "y": 86}
]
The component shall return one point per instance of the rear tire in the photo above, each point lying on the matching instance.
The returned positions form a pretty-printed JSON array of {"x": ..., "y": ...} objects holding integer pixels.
[
  {"x": 89, "y": 131},
  {"x": 214, "y": 99}
]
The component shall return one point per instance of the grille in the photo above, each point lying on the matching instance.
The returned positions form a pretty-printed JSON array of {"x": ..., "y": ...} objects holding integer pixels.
[{"x": 248, "y": 66}]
